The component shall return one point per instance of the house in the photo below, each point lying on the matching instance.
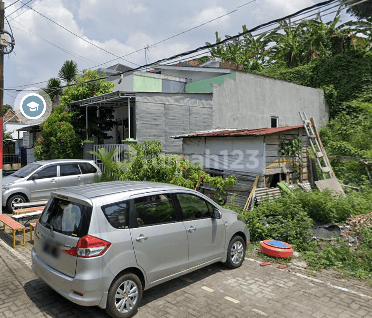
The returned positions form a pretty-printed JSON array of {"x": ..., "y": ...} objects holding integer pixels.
[
  {"x": 249, "y": 153},
  {"x": 235, "y": 101},
  {"x": 14, "y": 147},
  {"x": 164, "y": 78}
]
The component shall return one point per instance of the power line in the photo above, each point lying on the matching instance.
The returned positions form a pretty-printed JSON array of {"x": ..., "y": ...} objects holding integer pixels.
[
  {"x": 24, "y": 4},
  {"x": 12, "y": 4},
  {"x": 203, "y": 48},
  {"x": 244, "y": 4},
  {"x": 78, "y": 36},
  {"x": 60, "y": 48},
  {"x": 36, "y": 4},
  {"x": 207, "y": 47},
  {"x": 183, "y": 32}
]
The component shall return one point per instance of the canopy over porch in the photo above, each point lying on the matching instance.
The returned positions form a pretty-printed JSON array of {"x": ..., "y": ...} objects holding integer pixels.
[{"x": 115, "y": 100}]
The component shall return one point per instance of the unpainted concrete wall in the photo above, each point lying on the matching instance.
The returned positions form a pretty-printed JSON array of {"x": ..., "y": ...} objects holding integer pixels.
[
  {"x": 250, "y": 100},
  {"x": 160, "y": 116}
]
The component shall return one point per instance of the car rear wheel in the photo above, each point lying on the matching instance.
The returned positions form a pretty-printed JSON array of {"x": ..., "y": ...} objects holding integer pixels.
[
  {"x": 124, "y": 296},
  {"x": 14, "y": 199},
  {"x": 235, "y": 252}
]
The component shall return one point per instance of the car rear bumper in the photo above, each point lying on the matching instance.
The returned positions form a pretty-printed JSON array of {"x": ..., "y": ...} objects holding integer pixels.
[{"x": 90, "y": 288}]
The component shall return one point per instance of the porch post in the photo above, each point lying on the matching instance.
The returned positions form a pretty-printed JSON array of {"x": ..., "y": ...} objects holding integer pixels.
[
  {"x": 129, "y": 117},
  {"x": 86, "y": 121}
]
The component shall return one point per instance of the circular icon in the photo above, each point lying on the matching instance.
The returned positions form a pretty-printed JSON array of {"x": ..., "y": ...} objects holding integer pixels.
[{"x": 32, "y": 106}]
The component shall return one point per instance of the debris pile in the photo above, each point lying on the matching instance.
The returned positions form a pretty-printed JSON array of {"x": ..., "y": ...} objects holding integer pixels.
[{"x": 357, "y": 222}]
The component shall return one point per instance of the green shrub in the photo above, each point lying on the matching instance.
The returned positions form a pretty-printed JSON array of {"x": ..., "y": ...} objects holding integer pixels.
[
  {"x": 339, "y": 256},
  {"x": 283, "y": 219}
]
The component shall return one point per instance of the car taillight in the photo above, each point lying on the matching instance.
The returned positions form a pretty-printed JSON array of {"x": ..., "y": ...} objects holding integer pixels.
[{"x": 89, "y": 246}]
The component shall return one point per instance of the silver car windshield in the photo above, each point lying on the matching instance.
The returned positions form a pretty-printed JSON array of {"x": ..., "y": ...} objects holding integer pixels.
[{"x": 26, "y": 171}]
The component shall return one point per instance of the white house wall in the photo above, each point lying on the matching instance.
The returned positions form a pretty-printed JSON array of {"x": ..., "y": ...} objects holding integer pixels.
[
  {"x": 250, "y": 100},
  {"x": 12, "y": 127},
  {"x": 243, "y": 154}
]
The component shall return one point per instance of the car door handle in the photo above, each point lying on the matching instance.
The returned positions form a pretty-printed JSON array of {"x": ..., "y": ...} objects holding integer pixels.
[
  {"x": 78, "y": 177},
  {"x": 53, "y": 181},
  {"x": 191, "y": 229},
  {"x": 141, "y": 238}
]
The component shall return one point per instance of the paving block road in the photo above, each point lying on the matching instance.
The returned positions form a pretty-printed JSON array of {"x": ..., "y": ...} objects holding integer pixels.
[{"x": 214, "y": 291}]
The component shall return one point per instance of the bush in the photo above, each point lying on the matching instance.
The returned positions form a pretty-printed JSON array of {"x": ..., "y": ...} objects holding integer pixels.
[
  {"x": 339, "y": 256},
  {"x": 283, "y": 219},
  {"x": 58, "y": 138}
]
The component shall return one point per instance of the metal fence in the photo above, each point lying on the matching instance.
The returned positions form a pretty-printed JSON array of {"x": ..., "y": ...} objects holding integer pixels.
[
  {"x": 119, "y": 155},
  {"x": 10, "y": 158}
]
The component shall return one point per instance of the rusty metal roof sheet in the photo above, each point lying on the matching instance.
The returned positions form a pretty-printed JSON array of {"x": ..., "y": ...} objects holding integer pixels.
[{"x": 240, "y": 132}]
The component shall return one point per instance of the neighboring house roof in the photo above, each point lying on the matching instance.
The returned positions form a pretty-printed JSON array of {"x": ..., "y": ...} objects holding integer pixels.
[
  {"x": 11, "y": 117},
  {"x": 193, "y": 69},
  {"x": 114, "y": 69},
  {"x": 240, "y": 132}
]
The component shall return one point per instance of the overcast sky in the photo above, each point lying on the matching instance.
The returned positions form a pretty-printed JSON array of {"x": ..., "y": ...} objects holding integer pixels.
[{"x": 121, "y": 27}]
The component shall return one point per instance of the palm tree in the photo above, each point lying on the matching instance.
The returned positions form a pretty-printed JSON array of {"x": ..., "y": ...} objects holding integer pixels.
[
  {"x": 107, "y": 159},
  {"x": 54, "y": 89},
  {"x": 68, "y": 71}
]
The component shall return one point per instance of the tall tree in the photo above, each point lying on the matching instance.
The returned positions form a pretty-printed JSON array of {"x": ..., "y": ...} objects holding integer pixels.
[
  {"x": 101, "y": 120},
  {"x": 54, "y": 89},
  {"x": 68, "y": 71}
]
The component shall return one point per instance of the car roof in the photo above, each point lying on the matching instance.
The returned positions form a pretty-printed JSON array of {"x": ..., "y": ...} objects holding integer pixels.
[
  {"x": 43, "y": 162},
  {"x": 95, "y": 190}
]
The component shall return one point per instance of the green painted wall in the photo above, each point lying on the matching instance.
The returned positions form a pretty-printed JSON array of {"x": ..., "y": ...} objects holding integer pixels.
[
  {"x": 205, "y": 86},
  {"x": 146, "y": 84}
]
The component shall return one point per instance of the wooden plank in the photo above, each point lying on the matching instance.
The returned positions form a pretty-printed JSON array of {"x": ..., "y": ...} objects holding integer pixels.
[{"x": 247, "y": 204}]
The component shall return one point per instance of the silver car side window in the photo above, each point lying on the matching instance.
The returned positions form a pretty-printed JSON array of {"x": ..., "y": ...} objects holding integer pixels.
[
  {"x": 69, "y": 169},
  {"x": 194, "y": 207},
  {"x": 154, "y": 209},
  {"x": 47, "y": 172}
]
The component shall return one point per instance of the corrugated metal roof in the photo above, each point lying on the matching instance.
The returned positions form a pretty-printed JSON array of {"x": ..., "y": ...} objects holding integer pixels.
[{"x": 240, "y": 132}]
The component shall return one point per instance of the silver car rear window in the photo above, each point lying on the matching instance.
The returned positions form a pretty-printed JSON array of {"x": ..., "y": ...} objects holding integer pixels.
[{"x": 67, "y": 217}]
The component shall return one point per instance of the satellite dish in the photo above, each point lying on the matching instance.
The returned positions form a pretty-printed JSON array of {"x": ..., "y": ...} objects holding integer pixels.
[{"x": 33, "y": 105}]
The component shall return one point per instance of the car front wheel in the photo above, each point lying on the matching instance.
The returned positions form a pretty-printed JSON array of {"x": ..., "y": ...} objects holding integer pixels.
[
  {"x": 124, "y": 296},
  {"x": 235, "y": 252},
  {"x": 14, "y": 199}
]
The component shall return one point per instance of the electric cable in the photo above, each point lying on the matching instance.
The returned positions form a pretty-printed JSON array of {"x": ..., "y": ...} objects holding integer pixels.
[
  {"x": 12, "y": 4},
  {"x": 29, "y": 32},
  {"x": 78, "y": 36},
  {"x": 37, "y": 3},
  {"x": 171, "y": 37},
  {"x": 207, "y": 47},
  {"x": 19, "y": 8}
]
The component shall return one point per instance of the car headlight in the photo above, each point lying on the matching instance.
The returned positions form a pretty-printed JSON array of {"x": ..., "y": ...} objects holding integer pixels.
[{"x": 6, "y": 186}]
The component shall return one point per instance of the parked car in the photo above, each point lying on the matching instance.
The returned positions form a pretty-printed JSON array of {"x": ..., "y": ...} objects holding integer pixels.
[
  {"x": 37, "y": 180},
  {"x": 103, "y": 244}
]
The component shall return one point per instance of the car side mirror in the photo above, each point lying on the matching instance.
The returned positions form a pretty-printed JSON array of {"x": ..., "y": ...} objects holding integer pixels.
[
  {"x": 216, "y": 214},
  {"x": 34, "y": 176}
]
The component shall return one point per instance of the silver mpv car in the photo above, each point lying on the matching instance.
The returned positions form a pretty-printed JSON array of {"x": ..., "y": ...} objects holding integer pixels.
[{"x": 103, "y": 244}]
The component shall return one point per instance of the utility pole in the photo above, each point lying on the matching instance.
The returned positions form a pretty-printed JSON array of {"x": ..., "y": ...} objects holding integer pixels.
[{"x": 1, "y": 101}]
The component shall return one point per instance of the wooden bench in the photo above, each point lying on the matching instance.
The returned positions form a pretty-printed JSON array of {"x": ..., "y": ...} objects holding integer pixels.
[
  {"x": 15, "y": 226},
  {"x": 28, "y": 210},
  {"x": 26, "y": 216},
  {"x": 29, "y": 204}
]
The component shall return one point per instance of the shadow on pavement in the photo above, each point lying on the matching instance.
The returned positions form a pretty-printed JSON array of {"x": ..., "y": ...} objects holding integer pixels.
[{"x": 54, "y": 305}]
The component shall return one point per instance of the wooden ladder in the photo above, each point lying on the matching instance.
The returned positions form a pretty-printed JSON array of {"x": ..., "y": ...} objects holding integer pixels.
[{"x": 317, "y": 146}]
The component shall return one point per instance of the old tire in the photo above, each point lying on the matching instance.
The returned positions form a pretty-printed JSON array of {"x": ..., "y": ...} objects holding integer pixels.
[
  {"x": 124, "y": 296},
  {"x": 235, "y": 252},
  {"x": 15, "y": 198}
]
